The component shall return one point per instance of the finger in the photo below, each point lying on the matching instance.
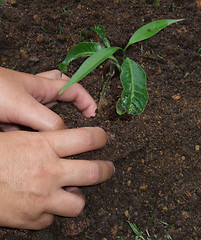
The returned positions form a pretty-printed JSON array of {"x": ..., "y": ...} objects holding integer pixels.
[
  {"x": 84, "y": 172},
  {"x": 66, "y": 203},
  {"x": 45, "y": 220},
  {"x": 81, "y": 99},
  {"x": 37, "y": 116},
  {"x": 51, "y": 104},
  {"x": 53, "y": 74},
  {"x": 6, "y": 127},
  {"x": 75, "y": 141},
  {"x": 76, "y": 93}
]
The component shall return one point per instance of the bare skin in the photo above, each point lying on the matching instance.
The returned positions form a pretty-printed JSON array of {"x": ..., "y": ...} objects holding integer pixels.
[
  {"x": 23, "y": 97},
  {"x": 36, "y": 182}
]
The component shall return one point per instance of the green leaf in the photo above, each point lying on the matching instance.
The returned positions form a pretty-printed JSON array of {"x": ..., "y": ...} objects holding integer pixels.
[
  {"x": 135, "y": 229},
  {"x": 150, "y": 29},
  {"x": 100, "y": 30},
  {"x": 134, "y": 97},
  {"x": 90, "y": 64},
  {"x": 85, "y": 49}
]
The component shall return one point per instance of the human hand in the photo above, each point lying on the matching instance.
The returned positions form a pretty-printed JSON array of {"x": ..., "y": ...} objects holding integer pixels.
[
  {"x": 36, "y": 181},
  {"x": 25, "y": 98}
]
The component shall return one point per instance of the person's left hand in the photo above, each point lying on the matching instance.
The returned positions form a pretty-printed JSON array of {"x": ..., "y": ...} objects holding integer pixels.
[{"x": 25, "y": 99}]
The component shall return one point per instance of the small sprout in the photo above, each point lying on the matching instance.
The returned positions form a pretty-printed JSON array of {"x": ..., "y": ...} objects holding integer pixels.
[
  {"x": 162, "y": 58},
  {"x": 137, "y": 232},
  {"x": 199, "y": 50},
  {"x": 156, "y": 3},
  {"x": 13, "y": 68},
  {"x": 70, "y": 14},
  {"x": 85, "y": 33},
  {"x": 194, "y": 228},
  {"x": 43, "y": 28},
  {"x": 195, "y": 191},
  {"x": 186, "y": 74},
  {"x": 60, "y": 29},
  {"x": 63, "y": 10},
  {"x": 88, "y": 237}
]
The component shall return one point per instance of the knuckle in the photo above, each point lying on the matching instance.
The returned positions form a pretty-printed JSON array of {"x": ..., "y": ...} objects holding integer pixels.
[
  {"x": 94, "y": 173},
  {"x": 55, "y": 73},
  {"x": 57, "y": 124},
  {"x": 79, "y": 206},
  {"x": 78, "y": 87},
  {"x": 44, "y": 222},
  {"x": 25, "y": 221},
  {"x": 39, "y": 142},
  {"x": 40, "y": 172}
]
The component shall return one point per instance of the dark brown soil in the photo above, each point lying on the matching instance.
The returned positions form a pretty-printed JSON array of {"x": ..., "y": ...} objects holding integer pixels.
[{"x": 157, "y": 184}]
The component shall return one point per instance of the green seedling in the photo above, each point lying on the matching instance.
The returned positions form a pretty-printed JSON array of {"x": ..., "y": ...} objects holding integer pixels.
[
  {"x": 14, "y": 67},
  {"x": 85, "y": 33},
  {"x": 88, "y": 237},
  {"x": 70, "y": 14},
  {"x": 63, "y": 10},
  {"x": 134, "y": 96},
  {"x": 195, "y": 228},
  {"x": 139, "y": 234},
  {"x": 43, "y": 28},
  {"x": 60, "y": 29},
  {"x": 156, "y": 3}
]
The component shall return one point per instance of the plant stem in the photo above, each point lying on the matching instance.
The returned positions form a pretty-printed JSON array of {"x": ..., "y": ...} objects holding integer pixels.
[
  {"x": 124, "y": 53},
  {"x": 109, "y": 76}
]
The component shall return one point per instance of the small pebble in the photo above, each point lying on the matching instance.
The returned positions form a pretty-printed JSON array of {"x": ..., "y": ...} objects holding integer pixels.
[
  {"x": 185, "y": 214},
  {"x": 143, "y": 187},
  {"x": 24, "y": 53},
  {"x": 34, "y": 59},
  {"x": 127, "y": 214},
  {"x": 176, "y": 97},
  {"x": 129, "y": 183},
  {"x": 13, "y": 2},
  {"x": 135, "y": 213},
  {"x": 37, "y": 18},
  {"x": 198, "y": 4},
  {"x": 39, "y": 38}
]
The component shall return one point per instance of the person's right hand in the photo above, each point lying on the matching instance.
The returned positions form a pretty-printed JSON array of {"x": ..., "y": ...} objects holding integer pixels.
[{"x": 36, "y": 182}]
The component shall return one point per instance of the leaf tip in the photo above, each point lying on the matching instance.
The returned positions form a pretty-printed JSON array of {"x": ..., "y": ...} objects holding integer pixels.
[{"x": 61, "y": 92}]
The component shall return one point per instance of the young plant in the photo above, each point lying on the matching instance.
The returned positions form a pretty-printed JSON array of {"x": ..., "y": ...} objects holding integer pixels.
[
  {"x": 134, "y": 96},
  {"x": 156, "y": 3}
]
